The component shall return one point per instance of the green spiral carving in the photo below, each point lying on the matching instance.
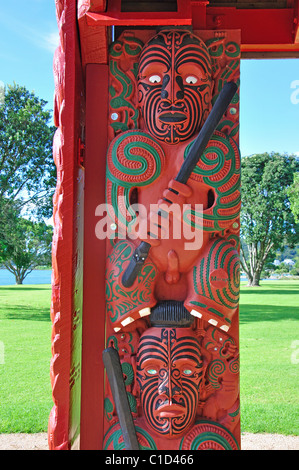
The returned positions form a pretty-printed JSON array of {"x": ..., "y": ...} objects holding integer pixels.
[
  {"x": 113, "y": 439},
  {"x": 121, "y": 101},
  {"x": 134, "y": 159},
  {"x": 216, "y": 369},
  {"x": 128, "y": 372},
  {"x": 108, "y": 408},
  {"x": 234, "y": 366},
  {"x": 218, "y": 168}
]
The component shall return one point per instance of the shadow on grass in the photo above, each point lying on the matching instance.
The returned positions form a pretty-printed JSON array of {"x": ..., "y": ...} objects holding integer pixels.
[
  {"x": 254, "y": 313},
  {"x": 21, "y": 312},
  {"x": 257, "y": 291},
  {"x": 269, "y": 288},
  {"x": 24, "y": 287}
]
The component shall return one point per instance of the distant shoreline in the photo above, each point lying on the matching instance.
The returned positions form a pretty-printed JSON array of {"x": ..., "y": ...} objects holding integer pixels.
[
  {"x": 43, "y": 276},
  {"x": 37, "y": 276}
]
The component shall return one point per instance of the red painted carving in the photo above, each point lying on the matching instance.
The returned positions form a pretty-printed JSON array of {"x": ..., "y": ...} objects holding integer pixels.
[
  {"x": 66, "y": 290},
  {"x": 181, "y": 379},
  {"x": 176, "y": 327}
]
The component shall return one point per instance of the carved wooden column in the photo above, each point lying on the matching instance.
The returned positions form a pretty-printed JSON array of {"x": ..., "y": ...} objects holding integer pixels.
[
  {"x": 130, "y": 102},
  {"x": 176, "y": 327}
]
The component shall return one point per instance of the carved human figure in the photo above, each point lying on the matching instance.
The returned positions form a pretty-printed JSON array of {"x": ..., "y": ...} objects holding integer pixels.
[
  {"x": 221, "y": 392},
  {"x": 173, "y": 385},
  {"x": 175, "y": 96},
  {"x": 169, "y": 374},
  {"x": 174, "y": 85},
  {"x": 175, "y": 93}
]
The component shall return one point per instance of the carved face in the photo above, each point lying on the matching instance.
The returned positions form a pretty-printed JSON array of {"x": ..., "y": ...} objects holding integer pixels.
[
  {"x": 174, "y": 85},
  {"x": 169, "y": 372}
]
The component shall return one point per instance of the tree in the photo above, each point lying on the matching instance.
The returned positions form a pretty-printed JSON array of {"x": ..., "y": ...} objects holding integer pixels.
[
  {"x": 27, "y": 170},
  {"x": 293, "y": 193},
  {"x": 24, "y": 244},
  {"x": 267, "y": 222}
]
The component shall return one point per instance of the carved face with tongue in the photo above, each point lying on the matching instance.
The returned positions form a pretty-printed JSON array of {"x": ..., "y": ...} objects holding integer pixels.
[
  {"x": 169, "y": 373},
  {"x": 174, "y": 85}
]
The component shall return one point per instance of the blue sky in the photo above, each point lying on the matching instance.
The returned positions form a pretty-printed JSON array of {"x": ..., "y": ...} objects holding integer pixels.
[{"x": 269, "y": 116}]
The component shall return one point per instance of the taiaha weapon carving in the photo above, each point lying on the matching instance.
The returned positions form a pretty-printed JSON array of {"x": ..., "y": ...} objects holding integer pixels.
[
  {"x": 226, "y": 95},
  {"x": 117, "y": 385}
]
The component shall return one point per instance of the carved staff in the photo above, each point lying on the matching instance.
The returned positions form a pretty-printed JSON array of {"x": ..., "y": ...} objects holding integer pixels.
[
  {"x": 120, "y": 397},
  {"x": 199, "y": 145}
]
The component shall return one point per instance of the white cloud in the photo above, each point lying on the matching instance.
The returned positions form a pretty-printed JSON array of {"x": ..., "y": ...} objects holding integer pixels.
[
  {"x": 47, "y": 40},
  {"x": 50, "y": 41}
]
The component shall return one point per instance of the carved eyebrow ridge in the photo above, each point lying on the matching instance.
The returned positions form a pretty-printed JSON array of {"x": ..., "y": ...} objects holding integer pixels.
[
  {"x": 149, "y": 342},
  {"x": 155, "y": 54}
]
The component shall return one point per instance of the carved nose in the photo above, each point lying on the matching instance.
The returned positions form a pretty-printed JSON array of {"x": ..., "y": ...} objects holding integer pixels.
[
  {"x": 172, "y": 90},
  {"x": 169, "y": 388}
]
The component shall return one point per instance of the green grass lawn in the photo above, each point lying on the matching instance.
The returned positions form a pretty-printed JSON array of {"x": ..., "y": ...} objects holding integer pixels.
[
  {"x": 269, "y": 330},
  {"x": 25, "y": 333},
  {"x": 269, "y": 373}
]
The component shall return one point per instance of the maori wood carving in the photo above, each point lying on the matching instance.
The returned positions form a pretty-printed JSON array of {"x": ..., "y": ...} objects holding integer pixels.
[
  {"x": 176, "y": 327},
  {"x": 67, "y": 289}
]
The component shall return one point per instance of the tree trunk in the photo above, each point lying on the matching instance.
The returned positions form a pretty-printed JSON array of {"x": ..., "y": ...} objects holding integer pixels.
[
  {"x": 19, "y": 279},
  {"x": 254, "y": 279},
  {"x": 19, "y": 275}
]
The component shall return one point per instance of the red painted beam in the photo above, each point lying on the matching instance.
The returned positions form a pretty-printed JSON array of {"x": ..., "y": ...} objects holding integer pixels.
[
  {"x": 260, "y": 26},
  {"x": 114, "y": 16},
  {"x": 261, "y": 29},
  {"x": 296, "y": 22}
]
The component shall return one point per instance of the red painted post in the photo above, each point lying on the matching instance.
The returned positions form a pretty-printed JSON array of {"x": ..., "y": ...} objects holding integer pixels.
[{"x": 93, "y": 337}]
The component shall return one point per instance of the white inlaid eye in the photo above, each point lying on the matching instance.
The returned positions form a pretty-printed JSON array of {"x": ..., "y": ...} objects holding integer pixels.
[
  {"x": 187, "y": 371},
  {"x": 155, "y": 79},
  {"x": 152, "y": 371},
  {"x": 191, "y": 80}
]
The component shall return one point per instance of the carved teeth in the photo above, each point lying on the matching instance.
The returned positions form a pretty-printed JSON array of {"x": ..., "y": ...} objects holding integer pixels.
[
  {"x": 144, "y": 312},
  {"x": 224, "y": 327},
  {"x": 127, "y": 321},
  {"x": 116, "y": 329},
  {"x": 213, "y": 322},
  {"x": 195, "y": 313}
]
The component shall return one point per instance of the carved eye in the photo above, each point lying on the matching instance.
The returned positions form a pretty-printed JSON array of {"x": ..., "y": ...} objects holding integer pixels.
[
  {"x": 191, "y": 80},
  {"x": 152, "y": 371},
  {"x": 187, "y": 371},
  {"x": 155, "y": 79}
]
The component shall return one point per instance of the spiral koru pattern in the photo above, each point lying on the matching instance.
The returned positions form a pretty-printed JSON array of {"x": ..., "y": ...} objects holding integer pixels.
[
  {"x": 216, "y": 283},
  {"x": 219, "y": 169},
  {"x": 215, "y": 370},
  {"x": 207, "y": 435},
  {"x": 113, "y": 439},
  {"x": 134, "y": 159},
  {"x": 122, "y": 302},
  {"x": 234, "y": 366}
]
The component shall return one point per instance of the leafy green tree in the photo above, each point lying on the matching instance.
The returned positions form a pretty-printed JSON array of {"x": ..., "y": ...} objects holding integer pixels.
[
  {"x": 27, "y": 170},
  {"x": 267, "y": 222},
  {"x": 295, "y": 269},
  {"x": 24, "y": 244},
  {"x": 293, "y": 193},
  {"x": 27, "y": 181},
  {"x": 8, "y": 211}
]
